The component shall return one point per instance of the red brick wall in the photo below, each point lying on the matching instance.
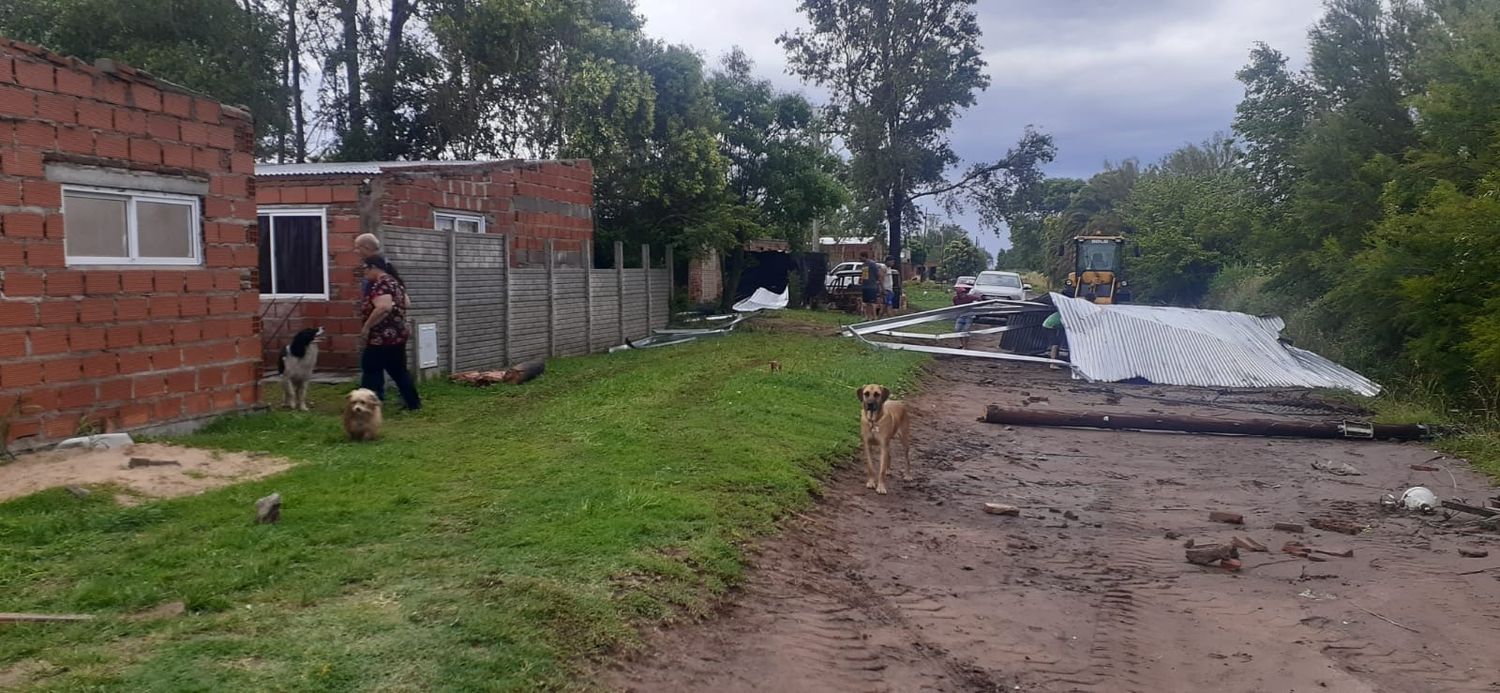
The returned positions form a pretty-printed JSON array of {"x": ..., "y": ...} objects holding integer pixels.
[
  {"x": 705, "y": 278},
  {"x": 505, "y": 193},
  {"x": 118, "y": 348}
]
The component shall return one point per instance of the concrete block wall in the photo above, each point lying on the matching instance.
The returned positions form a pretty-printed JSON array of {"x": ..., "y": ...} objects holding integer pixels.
[{"x": 130, "y": 346}]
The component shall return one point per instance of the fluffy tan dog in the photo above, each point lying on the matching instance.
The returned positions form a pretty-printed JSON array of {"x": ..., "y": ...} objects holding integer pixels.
[
  {"x": 362, "y": 417},
  {"x": 881, "y": 421}
]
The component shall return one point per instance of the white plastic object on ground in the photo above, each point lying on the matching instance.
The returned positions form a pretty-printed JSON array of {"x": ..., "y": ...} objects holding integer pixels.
[
  {"x": 1419, "y": 498},
  {"x": 764, "y": 300},
  {"x": 108, "y": 441}
]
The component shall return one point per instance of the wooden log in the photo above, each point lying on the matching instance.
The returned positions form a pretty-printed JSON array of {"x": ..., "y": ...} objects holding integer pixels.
[
  {"x": 42, "y": 618},
  {"x": 1288, "y": 527},
  {"x": 1471, "y": 509},
  {"x": 521, "y": 373},
  {"x": 1257, "y": 427}
]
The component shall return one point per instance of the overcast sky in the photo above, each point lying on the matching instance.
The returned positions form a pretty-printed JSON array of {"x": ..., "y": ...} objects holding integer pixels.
[{"x": 1109, "y": 79}]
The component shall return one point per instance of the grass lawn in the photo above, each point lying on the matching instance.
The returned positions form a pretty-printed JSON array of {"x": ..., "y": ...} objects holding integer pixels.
[{"x": 495, "y": 540}]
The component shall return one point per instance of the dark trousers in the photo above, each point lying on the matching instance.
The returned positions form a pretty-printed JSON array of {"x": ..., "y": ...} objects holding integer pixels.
[{"x": 376, "y": 361}]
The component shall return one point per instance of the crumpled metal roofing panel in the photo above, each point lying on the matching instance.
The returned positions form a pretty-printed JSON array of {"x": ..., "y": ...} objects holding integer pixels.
[
  {"x": 325, "y": 168},
  {"x": 1185, "y": 346}
]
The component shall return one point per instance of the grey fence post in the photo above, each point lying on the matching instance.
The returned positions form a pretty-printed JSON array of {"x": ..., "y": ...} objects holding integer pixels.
[
  {"x": 505, "y": 264},
  {"x": 551, "y": 297},
  {"x": 452, "y": 302},
  {"x": 587, "y": 253},
  {"x": 671, "y": 283},
  {"x": 646, "y": 275},
  {"x": 620, "y": 289}
]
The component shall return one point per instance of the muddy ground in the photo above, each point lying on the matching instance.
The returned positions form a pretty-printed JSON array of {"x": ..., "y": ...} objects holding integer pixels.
[{"x": 1088, "y": 589}]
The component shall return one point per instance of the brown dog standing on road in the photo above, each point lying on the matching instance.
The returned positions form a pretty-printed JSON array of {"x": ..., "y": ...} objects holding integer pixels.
[{"x": 881, "y": 420}]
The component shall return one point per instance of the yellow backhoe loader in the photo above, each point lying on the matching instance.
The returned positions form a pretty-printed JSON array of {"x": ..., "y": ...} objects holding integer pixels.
[{"x": 1097, "y": 274}]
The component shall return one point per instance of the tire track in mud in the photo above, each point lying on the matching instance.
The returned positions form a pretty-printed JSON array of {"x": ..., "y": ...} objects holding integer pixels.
[{"x": 920, "y": 591}]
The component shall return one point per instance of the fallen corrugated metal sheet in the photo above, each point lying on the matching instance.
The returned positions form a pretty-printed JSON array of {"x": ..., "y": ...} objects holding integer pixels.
[
  {"x": 1184, "y": 346},
  {"x": 321, "y": 168}
]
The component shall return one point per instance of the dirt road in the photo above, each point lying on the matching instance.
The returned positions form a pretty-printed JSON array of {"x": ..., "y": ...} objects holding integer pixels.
[{"x": 921, "y": 591}]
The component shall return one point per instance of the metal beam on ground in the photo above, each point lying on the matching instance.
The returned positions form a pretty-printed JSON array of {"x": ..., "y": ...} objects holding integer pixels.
[{"x": 947, "y": 351}]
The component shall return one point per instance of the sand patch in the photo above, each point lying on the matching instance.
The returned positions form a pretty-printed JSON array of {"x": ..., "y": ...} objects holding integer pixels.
[{"x": 194, "y": 471}]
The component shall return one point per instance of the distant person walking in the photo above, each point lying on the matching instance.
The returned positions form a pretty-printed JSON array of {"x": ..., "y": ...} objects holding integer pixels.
[
  {"x": 886, "y": 287},
  {"x": 385, "y": 332},
  {"x": 869, "y": 286}
]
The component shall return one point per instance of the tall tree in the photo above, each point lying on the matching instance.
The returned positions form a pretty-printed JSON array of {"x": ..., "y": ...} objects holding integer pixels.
[
  {"x": 898, "y": 73},
  {"x": 353, "y": 136},
  {"x": 1026, "y": 216},
  {"x": 1270, "y": 120},
  {"x": 222, "y": 48}
]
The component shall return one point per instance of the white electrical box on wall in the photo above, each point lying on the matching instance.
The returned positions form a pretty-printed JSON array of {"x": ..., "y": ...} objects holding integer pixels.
[{"x": 427, "y": 346}]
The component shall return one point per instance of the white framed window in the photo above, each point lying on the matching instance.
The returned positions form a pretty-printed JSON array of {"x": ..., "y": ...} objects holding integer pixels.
[
  {"x": 458, "y": 222},
  {"x": 108, "y": 226},
  {"x": 293, "y": 252}
]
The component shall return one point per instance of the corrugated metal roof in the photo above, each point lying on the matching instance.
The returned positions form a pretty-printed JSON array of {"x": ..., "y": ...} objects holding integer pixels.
[
  {"x": 349, "y": 167},
  {"x": 1184, "y": 346},
  {"x": 832, "y": 240}
]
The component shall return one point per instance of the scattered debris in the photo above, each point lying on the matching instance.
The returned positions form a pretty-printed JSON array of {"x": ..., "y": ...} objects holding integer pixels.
[
  {"x": 515, "y": 375},
  {"x": 1398, "y": 625},
  {"x": 1210, "y": 554},
  {"x": 1070, "y": 515},
  {"x": 1199, "y": 424},
  {"x": 1315, "y": 596},
  {"x": 138, "y": 462},
  {"x": 42, "y": 618},
  {"x": 1288, "y": 527},
  {"x": 1002, "y": 509},
  {"x": 1481, "y": 570},
  {"x": 1227, "y": 518},
  {"x": 79, "y": 491},
  {"x": 1249, "y": 544},
  {"x": 1346, "y": 553},
  {"x": 1425, "y": 468},
  {"x": 1230, "y": 564},
  {"x": 1471, "y": 509},
  {"x": 1340, "y": 526},
  {"x": 1472, "y": 552},
  {"x": 1293, "y": 548},
  {"x": 1173, "y": 535},
  {"x": 268, "y": 509},
  {"x": 109, "y": 441},
  {"x": 1336, "y": 468}
]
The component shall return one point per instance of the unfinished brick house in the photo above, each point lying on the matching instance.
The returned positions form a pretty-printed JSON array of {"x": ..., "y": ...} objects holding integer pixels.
[
  {"x": 311, "y": 213},
  {"x": 127, "y": 249}
]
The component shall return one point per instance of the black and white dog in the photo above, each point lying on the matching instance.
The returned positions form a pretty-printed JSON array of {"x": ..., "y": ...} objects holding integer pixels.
[{"x": 296, "y": 364}]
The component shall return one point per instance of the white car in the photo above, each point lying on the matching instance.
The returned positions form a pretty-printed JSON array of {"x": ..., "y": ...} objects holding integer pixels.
[
  {"x": 842, "y": 275},
  {"x": 1007, "y": 285}
]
